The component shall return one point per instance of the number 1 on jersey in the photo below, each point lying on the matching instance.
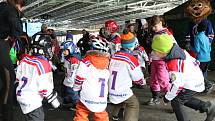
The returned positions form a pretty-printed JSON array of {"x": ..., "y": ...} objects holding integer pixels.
[
  {"x": 102, "y": 87},
  {"x": 114, "y": 73}
]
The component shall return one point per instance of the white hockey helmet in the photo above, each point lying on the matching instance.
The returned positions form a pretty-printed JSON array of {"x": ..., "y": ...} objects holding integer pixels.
[{"x": 99, "y": 44}]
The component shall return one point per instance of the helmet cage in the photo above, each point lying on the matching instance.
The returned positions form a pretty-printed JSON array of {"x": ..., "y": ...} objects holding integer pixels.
[{"x": 42, "y": 45}]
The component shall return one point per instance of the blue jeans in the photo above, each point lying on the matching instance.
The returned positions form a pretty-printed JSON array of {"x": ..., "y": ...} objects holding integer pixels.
[{"x": 71, "y": 96}]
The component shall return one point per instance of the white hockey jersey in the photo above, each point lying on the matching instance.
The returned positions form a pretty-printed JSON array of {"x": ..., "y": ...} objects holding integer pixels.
[
  {"x": 184, "y": 74},
  {"x": 124, "y": 68},
  {"x": 115, "y": 43},
  {"x": 141, "y": 55},
  {"x": 93, "y": 84},
  {"x": 35, "y": 79},
  {"x": 70, "y": 66}
]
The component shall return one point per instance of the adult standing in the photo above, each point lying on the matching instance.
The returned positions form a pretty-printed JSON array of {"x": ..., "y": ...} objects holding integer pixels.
[
  {"x": 10, "y": 29},
  {"x": 84, "y": 43},
  {"x": 45, "y": 30}
]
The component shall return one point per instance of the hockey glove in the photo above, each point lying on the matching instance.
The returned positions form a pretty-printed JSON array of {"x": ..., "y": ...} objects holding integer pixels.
[{"x": 53, "y": 99}]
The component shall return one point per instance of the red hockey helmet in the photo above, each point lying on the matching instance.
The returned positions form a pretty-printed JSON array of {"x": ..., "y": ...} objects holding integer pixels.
[{"x": 112, "y": 26}]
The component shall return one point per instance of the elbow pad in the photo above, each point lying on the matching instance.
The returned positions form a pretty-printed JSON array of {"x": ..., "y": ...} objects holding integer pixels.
[{"x": 53, "y": 99}]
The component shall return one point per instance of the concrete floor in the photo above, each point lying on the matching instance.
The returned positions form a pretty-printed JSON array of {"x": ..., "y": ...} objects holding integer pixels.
[{"x": 147, "y": 113}]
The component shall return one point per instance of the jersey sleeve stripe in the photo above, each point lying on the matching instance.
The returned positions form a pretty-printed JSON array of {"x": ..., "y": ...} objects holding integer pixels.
[
  {"x": 86, "y": 61},
  {"x": 80, "y": 78},
  {"x": 78, "y": 82},
  {"x": 43, "y": 92},
  {"x": 139, "y": 82}
]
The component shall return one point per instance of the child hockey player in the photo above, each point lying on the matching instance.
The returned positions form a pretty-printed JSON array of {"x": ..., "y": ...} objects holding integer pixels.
[
  {"x": 185, "y": 76},
  {"x": 142, "y": 56},
  {"x": 35, "y": 80},
  {"x": 92, "y": 82},
  {"x": 125, "y": 69},
  {"x": 140, "y": 53},
  {"x": 111, "y": 29},
  {"x": 71, "y": 62}
]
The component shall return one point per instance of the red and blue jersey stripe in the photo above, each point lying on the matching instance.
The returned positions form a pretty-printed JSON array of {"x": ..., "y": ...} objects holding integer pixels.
[
  {"x": 86, "y": 61},
  {"x": 176, "y": 65},
  {"x": 126, "y": 57},
  {"x": 42, "y": 66}
]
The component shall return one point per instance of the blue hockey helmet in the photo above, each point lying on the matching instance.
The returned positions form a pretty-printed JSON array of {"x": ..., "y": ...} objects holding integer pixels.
[{"x": 69, "y": 45}]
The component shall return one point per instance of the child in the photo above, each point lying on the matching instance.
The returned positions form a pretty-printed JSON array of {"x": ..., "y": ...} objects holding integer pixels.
[
  {"x": 35, "y": 80},
  {"x": 111, "y": 29},
  {"x": 159, "y": 75},
  {"x": 158, "y": 26},
  {"x": 140, "y": 53},
  {"x": 69, "y": 37},
  {"x": 185, "y": 76},
  {"x": 125, "y": 69},
  {"x": 202, "y": 49},
  {"x": 91, "y": 80},
  {"x": 142, "y": 56},
  {"x": 71, "y": 62}
]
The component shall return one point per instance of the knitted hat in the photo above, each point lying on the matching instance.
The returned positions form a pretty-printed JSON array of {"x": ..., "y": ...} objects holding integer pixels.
[
  {"x": 69, "y": 36},
  {"x": 162, "y": 43},
  {"x": 127, "y": 39}
]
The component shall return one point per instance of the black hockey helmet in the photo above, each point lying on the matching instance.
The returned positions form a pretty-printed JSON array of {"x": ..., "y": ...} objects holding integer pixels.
[{"x": 42, "y": 45}]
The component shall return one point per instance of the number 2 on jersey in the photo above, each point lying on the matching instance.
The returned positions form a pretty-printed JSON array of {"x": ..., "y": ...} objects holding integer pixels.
[
  {"x": 25, "y": 80},
  {"x": 114, "y": 73}
]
